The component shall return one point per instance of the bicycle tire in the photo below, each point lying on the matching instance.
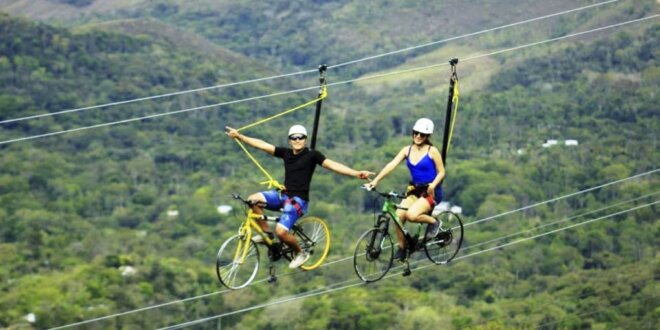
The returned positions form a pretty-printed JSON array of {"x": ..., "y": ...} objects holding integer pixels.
[
  {"x": 444, "y": 247},
  {"x": 313, "y": 237},
  {"x": 374, "y": 254},
  {"x": 232, "y": 272}
]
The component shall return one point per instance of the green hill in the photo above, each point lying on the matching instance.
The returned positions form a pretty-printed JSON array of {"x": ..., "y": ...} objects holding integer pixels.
[
  {"x": 76, "y": 208},
  {"x": 309, "y": 33}
]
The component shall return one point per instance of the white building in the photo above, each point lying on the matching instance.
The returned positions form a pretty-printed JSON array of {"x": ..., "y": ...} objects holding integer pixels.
[{"x": 224, "y": 209}]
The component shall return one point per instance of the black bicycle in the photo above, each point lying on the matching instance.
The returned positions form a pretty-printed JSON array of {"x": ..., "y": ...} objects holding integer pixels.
[{"x": 374, "y": 253}]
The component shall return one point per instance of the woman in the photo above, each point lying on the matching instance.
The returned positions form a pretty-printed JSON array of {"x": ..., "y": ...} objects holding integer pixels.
[{"x": 427, "y": 172}]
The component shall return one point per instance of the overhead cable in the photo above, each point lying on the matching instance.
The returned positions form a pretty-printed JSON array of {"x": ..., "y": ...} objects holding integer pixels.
[
  {"x": 561, "y": 197},
  {"x": 471, "y": 246},
  {"x": 472, "y": 34},
  {"x": 330, "y": 84},
  {"x": 348, "y": 258},
  {"x": 329, "y": 290},
  {"x": 311, "y": 70}
]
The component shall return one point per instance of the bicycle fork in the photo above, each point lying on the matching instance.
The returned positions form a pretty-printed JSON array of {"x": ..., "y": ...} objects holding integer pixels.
[{"x": 243, "y": 245}]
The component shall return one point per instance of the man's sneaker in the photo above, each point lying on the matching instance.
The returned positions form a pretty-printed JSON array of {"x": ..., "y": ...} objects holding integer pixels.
[
  {"x": 299, "y": 260},
  {"x": 260, "y": 239},
  {"x": 434, "y": 228},
  {"x": 400, "y": 254}
]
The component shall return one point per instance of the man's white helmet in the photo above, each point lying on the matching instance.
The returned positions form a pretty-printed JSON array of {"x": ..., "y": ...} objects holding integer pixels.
[
  {"x": 423, "y": 125},
  {"x": 297, "y": 129}
]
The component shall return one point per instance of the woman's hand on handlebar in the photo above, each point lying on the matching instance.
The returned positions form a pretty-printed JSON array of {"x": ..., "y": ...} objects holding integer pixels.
[{"x": 370, "y": 185}]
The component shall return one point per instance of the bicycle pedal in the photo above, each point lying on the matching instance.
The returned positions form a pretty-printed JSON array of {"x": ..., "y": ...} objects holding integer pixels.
[
  {"x": 272, "y": 279},
  {"x": 407, "y": 272}
]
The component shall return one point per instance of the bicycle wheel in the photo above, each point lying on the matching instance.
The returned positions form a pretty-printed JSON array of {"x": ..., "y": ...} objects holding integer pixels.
[
  {"x": 444, "y": 247},
  {"x": 234, "y": 270},
  {"x": 373, "y": 255},
  {"x": 314, "y": 237}
]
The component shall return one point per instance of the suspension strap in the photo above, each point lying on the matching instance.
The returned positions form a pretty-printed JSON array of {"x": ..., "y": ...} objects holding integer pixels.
[
  {"x": 452, "y": 108},
  {"x": 323, "y": 93},
  {"x": 272, "y": 183},
  {"x": 453, "y": 115}
]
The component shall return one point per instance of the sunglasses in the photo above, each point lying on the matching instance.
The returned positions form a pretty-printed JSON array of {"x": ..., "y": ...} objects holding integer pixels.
[
  {"x": 422, "y": 135},
  {"x": 297, "y": 137}
]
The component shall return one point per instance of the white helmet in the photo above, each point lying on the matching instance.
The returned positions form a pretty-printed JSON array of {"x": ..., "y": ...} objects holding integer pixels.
[
  {"x": 423, "y": 125},
  {"x": 297, "y": 129}
]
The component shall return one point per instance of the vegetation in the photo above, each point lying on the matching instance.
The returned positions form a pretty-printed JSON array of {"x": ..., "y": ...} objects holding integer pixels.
[{"x": 78, "y": 209}]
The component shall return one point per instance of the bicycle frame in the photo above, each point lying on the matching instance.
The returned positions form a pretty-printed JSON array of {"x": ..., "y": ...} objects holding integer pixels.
[
  {"x": 390, "y": 208},
  {"x": 246, "y": 230}
]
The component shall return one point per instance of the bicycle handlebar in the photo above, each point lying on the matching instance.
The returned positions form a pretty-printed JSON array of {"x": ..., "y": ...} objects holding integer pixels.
[
  {"x": 387, "y": 195},
  {"x": 247, "y": 202}
]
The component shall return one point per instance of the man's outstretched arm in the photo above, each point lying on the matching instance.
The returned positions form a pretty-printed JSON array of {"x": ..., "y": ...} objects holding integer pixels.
[
  {"x": 252, "y": 142},
  {"x": 345, "y": 170}
]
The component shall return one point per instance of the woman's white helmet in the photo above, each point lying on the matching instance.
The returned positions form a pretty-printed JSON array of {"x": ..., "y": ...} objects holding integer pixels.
[
  {"x": 423, "y": 125},
  {"x": 297, "y": 129}
]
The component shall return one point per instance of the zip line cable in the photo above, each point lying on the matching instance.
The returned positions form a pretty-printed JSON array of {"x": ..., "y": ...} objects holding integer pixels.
[
  {"x": 368, "y": 58},
  {"x": 147, "y": 98},
  {"x": 461, "y": 257},
  {"x": 557, "y": 221},
  {"x": 473, "y": 34},
  {"x": 158, "y": 115},
  {"x": 329, "y": 290},
  {"x": 558, "y": 230},
  {"x": 330, "y": 84},
  {"x": 544, "y": 225},
  {"x": 348, "y": 258},
  {"x": 560, "y": 198}
]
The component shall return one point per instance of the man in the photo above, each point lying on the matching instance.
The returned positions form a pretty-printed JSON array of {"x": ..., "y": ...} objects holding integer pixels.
[{"x": 299, "y": 166}]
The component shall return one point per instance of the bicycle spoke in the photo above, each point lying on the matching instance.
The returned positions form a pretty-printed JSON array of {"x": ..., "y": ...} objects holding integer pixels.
[
  {"x": 444, "y": 247},
  {"x": 373, "y": 255},
  {"x": 315, "y": 239},
  {"x": 234, "y": 270}
]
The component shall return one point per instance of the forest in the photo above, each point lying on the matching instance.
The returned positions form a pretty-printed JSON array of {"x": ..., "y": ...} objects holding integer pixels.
[{"x": 78, "y": 208}]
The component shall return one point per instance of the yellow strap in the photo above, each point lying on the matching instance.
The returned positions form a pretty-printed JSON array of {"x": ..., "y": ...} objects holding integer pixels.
[
  {"x": 324, "y": 94},
  {"x": 453, "y": 116},
  {"x": 272, "y": 182}
]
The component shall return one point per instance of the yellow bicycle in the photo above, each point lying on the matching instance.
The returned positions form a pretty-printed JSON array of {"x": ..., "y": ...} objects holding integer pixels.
[{"x": 237, "y": 261}]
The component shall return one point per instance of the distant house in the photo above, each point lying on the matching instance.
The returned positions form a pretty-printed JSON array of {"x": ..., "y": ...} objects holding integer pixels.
[
  {"x": 127, "y": 271},
  {"x": 224, "y": 209},
  {"x": 446, "y": 206},
  {"x": 549, "y": 143}
]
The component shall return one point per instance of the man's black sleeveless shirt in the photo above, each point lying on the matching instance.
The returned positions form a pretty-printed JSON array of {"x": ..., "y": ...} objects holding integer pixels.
[{"x": 299, "y": 169}]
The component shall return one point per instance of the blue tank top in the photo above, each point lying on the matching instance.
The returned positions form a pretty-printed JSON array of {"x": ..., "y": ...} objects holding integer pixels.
[{"x": 424, "y": 171}]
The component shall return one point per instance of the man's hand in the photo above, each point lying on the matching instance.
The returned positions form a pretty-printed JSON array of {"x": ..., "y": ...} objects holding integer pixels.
[
  {"x": 364, "y": 175},
  {"x": 232, "y": 132}
]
